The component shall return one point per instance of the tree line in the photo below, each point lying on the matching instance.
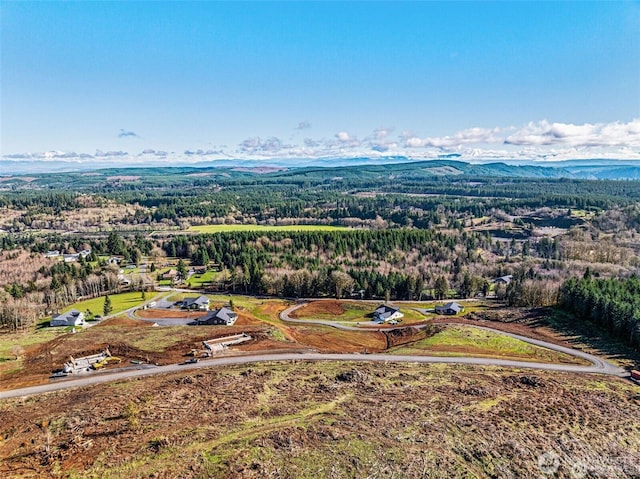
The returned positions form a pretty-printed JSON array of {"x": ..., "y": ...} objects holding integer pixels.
[{"x": 611, "y": 303}]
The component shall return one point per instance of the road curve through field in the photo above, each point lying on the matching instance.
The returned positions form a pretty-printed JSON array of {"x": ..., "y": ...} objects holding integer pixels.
[
  {"x": 599, "y": 364},
  {"x": 260, "y": 358}
]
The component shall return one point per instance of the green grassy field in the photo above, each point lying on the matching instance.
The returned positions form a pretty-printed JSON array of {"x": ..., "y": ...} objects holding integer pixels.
[
  {"x": 470, "y": 341},
  {"x": 10, "y": 341},
  {"x": 468, "y": 305},
  {"x": 202, "y": 280},
  {"x": 360, "y": 312},
  {"x": 119, "y": 302},
  {"x": 232, "y": 228}
]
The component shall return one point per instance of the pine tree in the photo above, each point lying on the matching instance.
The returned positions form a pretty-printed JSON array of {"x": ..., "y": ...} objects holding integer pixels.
[
  {"x": 107, "y": 308},
  {"x": 182, "y": 269}
]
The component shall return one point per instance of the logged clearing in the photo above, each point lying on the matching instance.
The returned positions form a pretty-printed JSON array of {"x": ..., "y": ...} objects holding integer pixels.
[{"x": 340, "y": 420}]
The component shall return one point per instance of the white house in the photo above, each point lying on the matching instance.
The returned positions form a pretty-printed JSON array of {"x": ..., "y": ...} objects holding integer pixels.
[
  {"x": 70, "y": 258},
  {"x": 386, "y": 313},
  {"x": 70, "y": 318},
  {"x": 504, "y": 279}
]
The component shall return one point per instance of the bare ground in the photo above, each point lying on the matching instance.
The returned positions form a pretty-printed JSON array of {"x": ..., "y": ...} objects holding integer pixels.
[
  {"x": 340, "y": 420},
  {"x": 315, "y": 308}
]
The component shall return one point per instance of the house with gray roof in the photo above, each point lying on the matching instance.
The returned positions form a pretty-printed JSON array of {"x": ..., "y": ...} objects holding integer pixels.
[
  {"x": 70, "y": 318},
  {"x": 385, "y": 313},
  {"x": 450, "y": 309},
  {"x": 201, "y": 303},
  {"x": 504, "y": 279},
  {"x": 223, "y": 316}
]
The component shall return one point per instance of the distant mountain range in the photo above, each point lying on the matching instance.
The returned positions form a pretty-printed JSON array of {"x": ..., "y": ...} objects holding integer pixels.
[{"x": 356, "y": 167}]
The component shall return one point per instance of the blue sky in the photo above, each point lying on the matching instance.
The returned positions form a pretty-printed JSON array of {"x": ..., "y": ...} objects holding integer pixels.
[{"x": 296, "y": 79}]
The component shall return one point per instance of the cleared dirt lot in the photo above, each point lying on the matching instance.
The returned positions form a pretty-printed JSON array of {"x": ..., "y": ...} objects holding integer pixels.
[{"x": 319, "y": 308}]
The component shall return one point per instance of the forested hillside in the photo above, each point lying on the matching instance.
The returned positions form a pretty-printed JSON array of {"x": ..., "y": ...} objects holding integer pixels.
[
  {"x": 435, "y": 229},
  {"x": 611, "y": 303}
]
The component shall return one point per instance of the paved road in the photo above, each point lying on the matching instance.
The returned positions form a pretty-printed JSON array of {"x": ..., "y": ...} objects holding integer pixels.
[
  {"x": 258, "y": 358},
  {"x": 597, "y": 364}
]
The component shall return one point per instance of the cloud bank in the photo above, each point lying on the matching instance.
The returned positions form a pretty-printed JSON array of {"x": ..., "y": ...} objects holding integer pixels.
[
  {"x": 538, "y": 141},
  {"x": 543, "y": 133}
]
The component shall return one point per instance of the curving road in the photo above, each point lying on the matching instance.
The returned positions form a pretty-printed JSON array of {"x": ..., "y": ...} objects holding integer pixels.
[
  {"x": 598, "y": 365},
  {"x": 257, "y": 358}
]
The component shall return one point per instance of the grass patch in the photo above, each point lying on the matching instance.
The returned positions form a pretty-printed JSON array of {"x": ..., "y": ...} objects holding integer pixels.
[
  {"x": 233, "y": 228},
  {"x": 277, "y": 335},
  {"x": 202, "y": 280},
  {"x": 12, "y": 344},
  {"x": 119, "y": 302},
  {"x": 355, "y": 312},
  {"x": 8, "y": 341},
  {"x": 470, "y": 341}
]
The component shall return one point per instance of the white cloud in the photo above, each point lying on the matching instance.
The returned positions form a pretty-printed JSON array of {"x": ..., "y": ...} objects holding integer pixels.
[
  {"x": 256, "y": 145},
  {"x": 104, "y": 154},
  {"x": 125, "y": 133},
  {"x": 343, "y": 136},
  {"x": 381, "y": 133},
  {"x": 543, "y": 133},
  {"x": 346, "y": 140},
  {"x": 464, "y": 137},
  {"x": 538, "y": 141}
]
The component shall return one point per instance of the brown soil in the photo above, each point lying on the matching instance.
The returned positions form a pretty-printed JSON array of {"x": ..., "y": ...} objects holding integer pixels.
[
  {"x": 330, "y": 340},
  {"x": 315, "y": 308},
  {"x": 340, "y": 420},
  {"x": 272, "y": 309},
  {"x": 397, "y": 337}
]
